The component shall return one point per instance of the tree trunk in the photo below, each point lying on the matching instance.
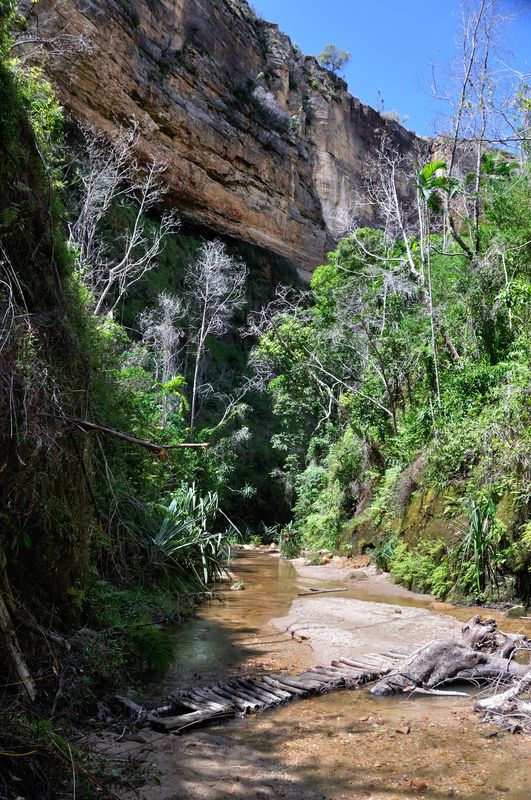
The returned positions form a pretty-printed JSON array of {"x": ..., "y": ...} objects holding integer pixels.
[{"x": 11, "y": 647}]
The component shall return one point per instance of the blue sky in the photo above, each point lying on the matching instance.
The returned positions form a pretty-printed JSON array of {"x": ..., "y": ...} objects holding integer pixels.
[{"x": 393, "y": 44}]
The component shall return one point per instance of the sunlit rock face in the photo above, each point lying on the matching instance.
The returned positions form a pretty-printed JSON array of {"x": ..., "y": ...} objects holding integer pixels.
[{"x": 259, "y": 141}]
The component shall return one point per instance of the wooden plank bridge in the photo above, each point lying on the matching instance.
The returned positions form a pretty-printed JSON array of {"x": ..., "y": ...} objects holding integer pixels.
[{"x": 193, "y": 706}]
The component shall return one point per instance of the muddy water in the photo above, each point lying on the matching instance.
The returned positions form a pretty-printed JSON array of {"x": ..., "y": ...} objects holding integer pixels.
[
  {"x": 342, "y": 745},
  {"x": 352, "y": 745}
]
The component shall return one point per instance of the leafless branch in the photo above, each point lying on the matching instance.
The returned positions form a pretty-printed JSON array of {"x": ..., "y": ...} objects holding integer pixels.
[
  {"x": 110, "y": 173},
  {"x": 214, "y": 288}
]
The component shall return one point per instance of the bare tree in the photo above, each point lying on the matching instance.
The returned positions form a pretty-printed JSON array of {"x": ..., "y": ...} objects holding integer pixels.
[
  {"x": 388, "y": 171},
  {"x": 43, "y": 38},
  {"x": 214, "y": 288},
  {"x": 163, "y": 334},
  {"x": 335, "y": 359},
  {"x": 482, "y": 95},
  {"x": 481, "y": 101},
  {"x": 286, "y": 300},
  {"x": 110, "y": 174},
  {"x": 358, "y": 335}
]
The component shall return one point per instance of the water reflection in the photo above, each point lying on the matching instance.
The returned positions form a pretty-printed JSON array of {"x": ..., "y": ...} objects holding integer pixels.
[{"x": 231, "y": 635}]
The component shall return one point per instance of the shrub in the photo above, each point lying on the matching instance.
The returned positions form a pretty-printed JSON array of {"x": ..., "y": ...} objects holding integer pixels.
[
  {"x": 384, "y": 551},
  {"x": 424, "y": 568},
  {"x": 185, "y": 545},
  {"x": 290, "y": 541},
  {"x": 479, "y": 553}
]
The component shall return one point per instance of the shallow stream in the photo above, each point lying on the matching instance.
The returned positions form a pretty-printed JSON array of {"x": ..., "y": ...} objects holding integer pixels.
[
  {"x": 232, "y": 634},
  {"x": 344, "y": 744}
]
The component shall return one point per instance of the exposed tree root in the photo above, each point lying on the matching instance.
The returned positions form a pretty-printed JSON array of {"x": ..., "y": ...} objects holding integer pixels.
[{"x": 485, "y": 656}]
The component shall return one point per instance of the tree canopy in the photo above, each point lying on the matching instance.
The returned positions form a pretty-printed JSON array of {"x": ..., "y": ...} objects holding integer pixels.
[{"x": 333, "y": 58}]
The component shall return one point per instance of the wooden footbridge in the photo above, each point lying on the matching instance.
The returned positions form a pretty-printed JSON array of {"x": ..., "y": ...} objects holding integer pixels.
[{"x": 189, "y": 707}]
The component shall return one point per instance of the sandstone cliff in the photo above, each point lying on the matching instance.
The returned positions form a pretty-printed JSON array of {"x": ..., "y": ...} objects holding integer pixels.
[{"x": 260, "y": 142}]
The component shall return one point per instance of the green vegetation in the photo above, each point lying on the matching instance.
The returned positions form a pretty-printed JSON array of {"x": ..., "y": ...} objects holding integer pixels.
[
  {"x": 143, "y": 407},
  {"x": 407, "y": 375},
  {"x": 100, "y": 518},
  {"x": 114, "y": 539},
  {"x": 333, "y": 58}
]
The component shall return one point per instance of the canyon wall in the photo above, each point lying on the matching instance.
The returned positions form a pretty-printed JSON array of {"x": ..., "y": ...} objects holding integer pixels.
[{"x": 259, "y": 141}]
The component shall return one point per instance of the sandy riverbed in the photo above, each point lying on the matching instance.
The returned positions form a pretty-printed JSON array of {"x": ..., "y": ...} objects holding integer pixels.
[{"x": 335, "y": 625}]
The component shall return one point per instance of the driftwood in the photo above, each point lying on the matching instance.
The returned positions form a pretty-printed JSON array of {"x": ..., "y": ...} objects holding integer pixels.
[
  {"x": 320, "y": 591},
  {"x": 485, "y": 654},
  {"x": 138, "y": 711},
  {"x": 194, "y": 706},
  {"x": 501, "y": 701},
  {"x": 510, "y": 708}
]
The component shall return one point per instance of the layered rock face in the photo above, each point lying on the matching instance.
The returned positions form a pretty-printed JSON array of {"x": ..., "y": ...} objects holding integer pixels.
[{"x": 259, "y": 142}]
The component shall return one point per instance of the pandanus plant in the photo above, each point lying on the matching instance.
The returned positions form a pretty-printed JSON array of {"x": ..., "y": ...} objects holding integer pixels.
[
  {"x": 185, "y": 545},
  {"x": 476, "y": 552}
]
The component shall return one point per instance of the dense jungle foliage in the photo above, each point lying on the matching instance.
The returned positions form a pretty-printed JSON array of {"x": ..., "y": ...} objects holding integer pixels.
[
  {"x": 112, "y": 535},
  {"x": 399, "y": 382},
  {"x": 409, "y": 369},
  {"x": 104, "y": 537}
]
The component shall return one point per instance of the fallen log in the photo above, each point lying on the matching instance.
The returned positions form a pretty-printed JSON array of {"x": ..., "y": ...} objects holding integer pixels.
[
  {"x": 211, "y": 698},
  {"x": 284, "y": 682},
  {"x": 137, "y": 710},
  {"x": 278, "y": 688},
  {"x": 369, "y": 666},
  {"x": 266, "y": 695},
  {"x": 319, "y": 591},
  {"x": 334, "y": 673},
  {"x": 182, "y": 721},
  {"x": 419, "y": 670},
  {"x": 352, "y": 671},
  {"x": 23, "y": 619},
  {"x": 250, "y": 697},
  {"x": 236, "y": 700},
  {"x": 298, "y": 683},
  {"x": 12, "y": 650},
  {"x": 198, "y": 700}
]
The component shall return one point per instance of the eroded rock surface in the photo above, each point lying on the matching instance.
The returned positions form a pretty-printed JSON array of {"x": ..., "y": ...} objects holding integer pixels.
[{"x": 260, "y": 142}]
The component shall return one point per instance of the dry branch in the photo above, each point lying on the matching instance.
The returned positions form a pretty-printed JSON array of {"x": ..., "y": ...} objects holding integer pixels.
[
  {"x": 23, "y": 619},
  {"x": 500, "y": 701},
  {"x": 13, "y": 652},
  {"x": 154, "y": 447}
]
